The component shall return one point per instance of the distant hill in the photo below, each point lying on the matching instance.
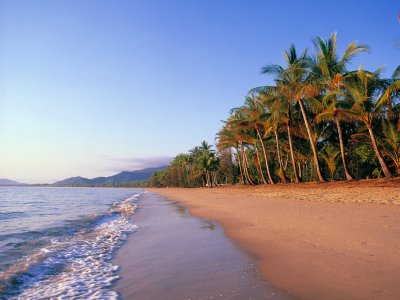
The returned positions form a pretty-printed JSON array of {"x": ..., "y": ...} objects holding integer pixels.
[
  {"x": 72, "y": 181},
  {"x": 9, "y": 182},
  {"x": 116, "y": 179}
]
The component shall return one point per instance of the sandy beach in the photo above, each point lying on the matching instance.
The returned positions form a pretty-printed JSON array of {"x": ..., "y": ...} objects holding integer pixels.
[
  {"x": 316, "y": 241},
  {"x": 175, "y": 255}
]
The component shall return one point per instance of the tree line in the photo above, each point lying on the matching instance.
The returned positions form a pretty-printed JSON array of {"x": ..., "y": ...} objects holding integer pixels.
[{"x": 319, "y": 121}]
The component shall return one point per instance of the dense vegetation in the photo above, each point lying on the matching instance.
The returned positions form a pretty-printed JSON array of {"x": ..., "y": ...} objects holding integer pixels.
[{"x": 319, "y": 121}]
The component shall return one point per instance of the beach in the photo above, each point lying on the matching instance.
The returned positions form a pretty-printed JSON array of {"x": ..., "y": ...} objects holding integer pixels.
[
  {"x": 332, "y": 241},
  {"x": 174, "y": 255}
]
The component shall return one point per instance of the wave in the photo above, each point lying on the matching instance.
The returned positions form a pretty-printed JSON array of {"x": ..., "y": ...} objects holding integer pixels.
[
  {"x": 11, "y": 215},
  {"x": 77, "y": 265}
]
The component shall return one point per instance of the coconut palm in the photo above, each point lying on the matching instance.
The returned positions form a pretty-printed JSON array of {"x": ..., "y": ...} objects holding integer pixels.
[
  {"x": 295, "y": 82},
  {"x": 256, "y": 115},
  {"x": 241, "y": 137},
  {"x": 303, "y": 113},
  {"x": 329, "y": 69},
  {"x": 226, "y": 140},
  {"x": 391, "y": 143},
  {"x": 281, "y": 108},
  {"x": 330, "y": 154},
  {"x": 390, "y": 95},
  {"x": 246, "y": 121},
  {"x": 361, "y": 87}
]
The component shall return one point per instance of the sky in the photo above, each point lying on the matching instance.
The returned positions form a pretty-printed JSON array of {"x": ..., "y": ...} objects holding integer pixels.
[{"x": 93, "y": 87}]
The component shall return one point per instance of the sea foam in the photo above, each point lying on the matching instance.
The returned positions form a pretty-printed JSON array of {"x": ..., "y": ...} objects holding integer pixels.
[{"x": 79, "y": 267}]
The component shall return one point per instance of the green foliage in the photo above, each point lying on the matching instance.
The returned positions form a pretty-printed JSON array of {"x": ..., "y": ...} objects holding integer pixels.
[
  {"x": 391, "y": 143},
  {"x": 318, "y": 120},
  {"x": 197, "y": 168}
]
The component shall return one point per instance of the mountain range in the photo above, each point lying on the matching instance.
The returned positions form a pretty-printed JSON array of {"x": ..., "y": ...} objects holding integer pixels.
[
  {"x": 9, "y": 182},
  {"x": 116, "y": 179}
]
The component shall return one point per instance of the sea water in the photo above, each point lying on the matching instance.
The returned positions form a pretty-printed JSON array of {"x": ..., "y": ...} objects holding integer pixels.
[{"x": 58, "y": 242}]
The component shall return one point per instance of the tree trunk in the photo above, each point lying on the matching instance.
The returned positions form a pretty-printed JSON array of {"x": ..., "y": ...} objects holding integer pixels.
[
  {"x": 283, "y": 177},
  {"x": 300, "y": 168},
  {"x": 240, "y": 164},
  {"x": 296, "y": 175},
  {"x": 247, "y": 167},
  {"x": 244, "y": 165},
  {"x": 259, "y": 164},
  {"x": 285, "y": 165},
  {"x": 339, "y": 129},
  {"x": 265, "y": 157},
  {"x": 314, "y": 149},
  {"x": 385, "y": 169},
  {"x": 214, "y": 178}
]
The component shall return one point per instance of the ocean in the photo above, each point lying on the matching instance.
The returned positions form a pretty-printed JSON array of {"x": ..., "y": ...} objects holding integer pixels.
[{"x": 58, "y": 242}]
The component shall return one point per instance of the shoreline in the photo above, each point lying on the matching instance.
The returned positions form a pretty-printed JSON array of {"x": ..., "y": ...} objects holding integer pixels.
[
  {"x": 175, "y": 255},
  {"x": 334, "y": 240}
]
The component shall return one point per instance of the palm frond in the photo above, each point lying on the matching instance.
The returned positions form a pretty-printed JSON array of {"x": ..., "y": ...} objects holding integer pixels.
[
  {"x": 272, "y": 69},
  {"x": 396, "y": 73},
  {"x": 387, "y": 95},
  {"x": 351, "y": 51},
  {"x": 315, "y": 105},
  {"x": 324, "y": 117}
]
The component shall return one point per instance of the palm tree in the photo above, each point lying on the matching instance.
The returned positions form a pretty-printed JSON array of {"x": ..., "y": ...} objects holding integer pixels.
[
  {"x": 241, "y": 139},
  {"x": 249, "y": 137},
  {"x": 303, "y": 112},
  {"x": 206, "y": 161},
  {"x": 389, "y": 96},
  {"x": 226, "y": 140},
  {"x": 361, "y": 87},
  {"x": 295, "y": 82},
  {"x": 330, "y": 154},
  {"x": 281, "y": 108},
  {"x": 256, "y": 115},
  {"x": 329, "y": 69},
  {"x": 248, "y": 118},
  {"x": 209, "y": 162},
  {"x": 391, "y": 145}
]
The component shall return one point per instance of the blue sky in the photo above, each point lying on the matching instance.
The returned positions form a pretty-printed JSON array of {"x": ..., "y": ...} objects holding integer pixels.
[{"x": 95, "y": 87}]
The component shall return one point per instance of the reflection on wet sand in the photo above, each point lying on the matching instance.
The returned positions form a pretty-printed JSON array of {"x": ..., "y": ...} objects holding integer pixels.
[{"x": 176, "y": 256}]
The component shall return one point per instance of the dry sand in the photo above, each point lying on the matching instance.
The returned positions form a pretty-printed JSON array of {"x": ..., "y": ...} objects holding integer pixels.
[{"x": 317, "y": 241}]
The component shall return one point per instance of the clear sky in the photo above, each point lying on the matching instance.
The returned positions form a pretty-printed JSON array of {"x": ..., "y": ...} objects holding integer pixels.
[{"x": 95, "y": 87}]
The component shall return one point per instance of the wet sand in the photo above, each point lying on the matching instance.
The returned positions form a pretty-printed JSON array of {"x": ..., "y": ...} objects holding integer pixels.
[
  {"x": 174, "y": 255},
  {"x": 317, "y": 241}
]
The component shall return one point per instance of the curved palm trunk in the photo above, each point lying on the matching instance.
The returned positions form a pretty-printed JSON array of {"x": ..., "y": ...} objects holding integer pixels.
[
  {"x": 259, "y": 164},
  {"x": 240, "y": 164},
  {"x": 314, "y": 149},
  {"x": 283, "y": 177},
  {"x": 247, "y": 168},
  {"x": 378, "y": 153},
  {"x": 339, "y": 129},
  {"x": 244, "y": 167},
  {"x": 246, "y": 180},
  {"x": 265, "y": 157},
  {"x": 299, "y": 167},
  {"x": 296, "y": 175}
]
